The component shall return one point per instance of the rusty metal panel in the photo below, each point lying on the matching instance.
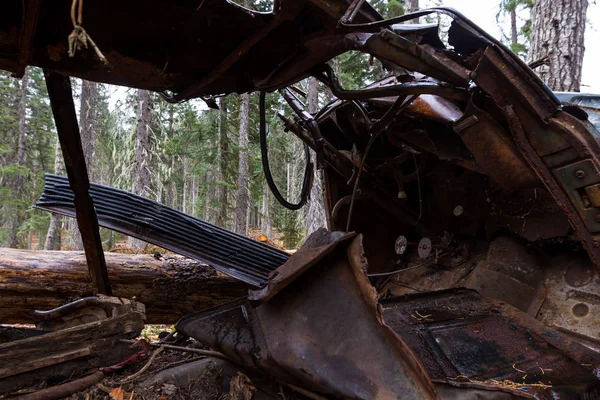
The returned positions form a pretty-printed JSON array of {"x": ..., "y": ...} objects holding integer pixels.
[
  {"x": 575, "y": 177},
  {"x": 494, "y": 150},
  {"x": 463, "y": 338},
  {"x": 321, "y": 331}
]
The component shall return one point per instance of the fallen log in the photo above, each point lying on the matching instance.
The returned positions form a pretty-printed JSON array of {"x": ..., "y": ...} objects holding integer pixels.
[{"x": 170, "y": 286}]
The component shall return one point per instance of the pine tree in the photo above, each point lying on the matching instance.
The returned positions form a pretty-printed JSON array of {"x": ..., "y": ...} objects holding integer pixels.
[
  {"x": 241, "y": 206},
  {"x": 87, "y": 126},
  {"x": 519, "y": 36},
  {"x": 143, "y": 137},
  {"x": 53, "y": 237},
  {"x": 315, "y": 217}
]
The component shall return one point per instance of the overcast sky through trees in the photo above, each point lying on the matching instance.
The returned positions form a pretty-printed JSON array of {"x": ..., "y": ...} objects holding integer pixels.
[{"x": 483, "y": 13}]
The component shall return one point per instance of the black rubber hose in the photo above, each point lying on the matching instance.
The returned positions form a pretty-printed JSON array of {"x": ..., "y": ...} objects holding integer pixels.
[{"x": 264, "y": 152}]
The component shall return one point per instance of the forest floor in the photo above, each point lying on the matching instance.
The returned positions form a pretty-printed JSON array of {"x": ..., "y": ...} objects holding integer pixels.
[
  {"x": 138, "y": 379},
  {"x": 144, "y": 379}
]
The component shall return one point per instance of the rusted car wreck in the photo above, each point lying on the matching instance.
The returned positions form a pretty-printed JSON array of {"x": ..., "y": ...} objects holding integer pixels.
[{"x": 463, "y": 199}]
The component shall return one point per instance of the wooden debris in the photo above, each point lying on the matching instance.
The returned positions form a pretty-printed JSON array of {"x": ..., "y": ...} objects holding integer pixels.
[
  {"x": 71, "y": 352},
  {"x": 169, "y": 286}
]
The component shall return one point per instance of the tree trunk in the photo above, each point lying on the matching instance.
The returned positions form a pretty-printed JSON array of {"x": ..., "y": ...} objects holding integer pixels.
[
  {"x": 241, "y": 204},
  {"x": 53, "y": 240},
  {"x": 88, "y": 123},
  {"x": 514, "y": 33},
  {"x": 172, "y": 188},
  {"x": 315, "y": 217},
  {"x": 16, "y": 218},
  {"x": 22, "y": 120},
  {"x": 194, "y": 196},
  {"x": 143, "y": 136},
  {"x": 186, "y": 186},
  {"x": 265, "y": 217},
  {"x": 170, "y": 286},
  {"x": 88, "y": 110},
  {"x": 221, "y": 189},
  {"x": 413, "y": 6},
  {"x": 557, "y": 33}
]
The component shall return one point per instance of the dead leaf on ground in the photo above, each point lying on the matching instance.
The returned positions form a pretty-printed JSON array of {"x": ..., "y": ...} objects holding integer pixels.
[{"x": 117, "y": 394}]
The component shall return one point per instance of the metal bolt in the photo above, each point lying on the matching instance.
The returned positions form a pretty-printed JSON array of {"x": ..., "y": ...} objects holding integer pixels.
[
  {"x": 458, "y": 211},
  {"x": 401, "y": 245},
  {"x": 580, "y": 174},
  {"x": 424, "y": 248}
]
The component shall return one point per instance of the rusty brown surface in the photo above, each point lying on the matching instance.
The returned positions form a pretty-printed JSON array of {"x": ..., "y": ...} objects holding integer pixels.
[
  {"x": 312, "y": 333},
  {"x": 494, "y": 149},
  {"x": 485, "y": 166},
  {"x": 461, "y": 337},
  {"x": 318, "y": 245},
  {"x": 308, "y": 334},
  {"x": 63, "y": 109}
]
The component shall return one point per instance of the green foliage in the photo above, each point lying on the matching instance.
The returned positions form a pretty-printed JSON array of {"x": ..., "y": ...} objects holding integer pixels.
[
  {"x": 516, "y": 8},
  {"x": 20, "y": 182},
  {"x": 389, "y": 8}
]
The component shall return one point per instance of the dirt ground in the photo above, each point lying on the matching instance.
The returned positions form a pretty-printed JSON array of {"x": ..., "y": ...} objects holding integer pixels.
[{"x": 158, "y": 373}]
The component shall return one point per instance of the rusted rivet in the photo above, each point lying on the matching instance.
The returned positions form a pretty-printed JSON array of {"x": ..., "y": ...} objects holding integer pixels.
[
  {"x": 458, "y": 211},
  {"x": 401, "y": 245},
  {"x": 580, "y": 174}
]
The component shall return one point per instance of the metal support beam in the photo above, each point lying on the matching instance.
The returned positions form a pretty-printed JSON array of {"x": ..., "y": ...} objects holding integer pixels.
[{"x": 63, "y": 108}]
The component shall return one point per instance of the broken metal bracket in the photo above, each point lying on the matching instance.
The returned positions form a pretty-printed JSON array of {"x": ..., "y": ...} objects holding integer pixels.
[{"x": 580, "y": 182}]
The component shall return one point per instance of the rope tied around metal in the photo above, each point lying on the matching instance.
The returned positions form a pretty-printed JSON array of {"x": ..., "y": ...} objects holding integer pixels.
[{"x": 79, "y": 38}]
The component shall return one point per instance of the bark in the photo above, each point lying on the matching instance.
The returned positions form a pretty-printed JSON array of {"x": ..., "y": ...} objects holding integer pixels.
[
  {"x": 221, "y": 189},
  {"x": 215, "y": 175},
  {"x": 413, "y": 6},
  {"x": 143, "y": 137},
  {"x": 171, "y": 187},
  {"x": 558, "y": 33},
  {"x": 514, "y": 33},
  {"x": 88, "y": 110},
  {"x": 22, "y": 120},
  {"x": 170, "y": 287},
  {"x": 265, "y": 214},
  {"x": 241, "y": 204},
  {"x": 186, "y": 187},
  {"x": 194, "y": 196},
  {"x": 88, "y": 123},
  {"x": 53, "y": 239},
  {"x": 315, "y": 217}
]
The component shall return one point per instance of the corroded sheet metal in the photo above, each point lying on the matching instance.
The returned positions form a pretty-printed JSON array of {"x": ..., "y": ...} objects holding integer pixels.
[
  {"x": 493, "y": 148},
  {"x": 320, "y": 332},
  {"x": 238, "y": 256},
  {"x": 468, "y": 341}
]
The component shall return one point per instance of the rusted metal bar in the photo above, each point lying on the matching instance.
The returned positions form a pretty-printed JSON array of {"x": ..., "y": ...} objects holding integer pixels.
[
  {"x": 63, "y": 109},
  {"x": 402, "y": 89},
  {"x": 352, "y": 11},
  {"x": 72, "y": 307}
]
